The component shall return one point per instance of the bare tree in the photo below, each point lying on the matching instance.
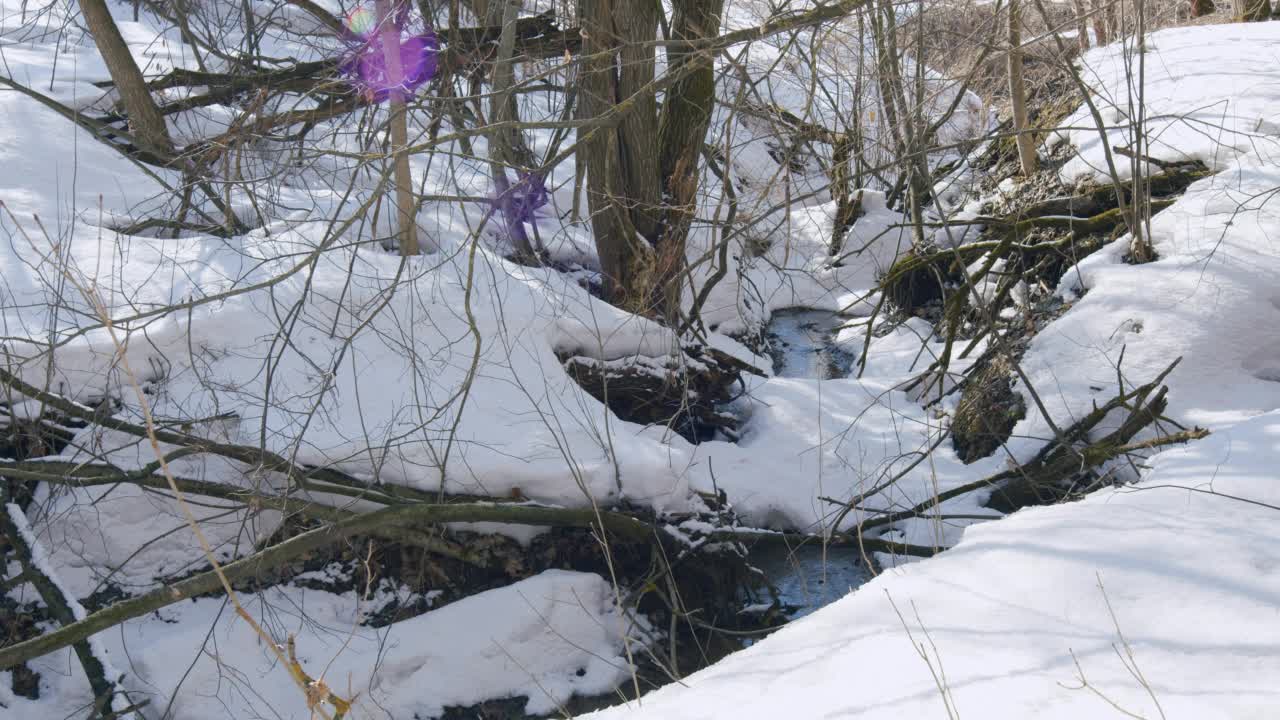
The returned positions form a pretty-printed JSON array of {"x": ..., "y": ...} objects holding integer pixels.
[
  {"x": 623, "y": 190},
  {"x": 1082, "y": 26},
  {"x": 1256, "y": 10},
  {"x": 1018, "y": 94}
]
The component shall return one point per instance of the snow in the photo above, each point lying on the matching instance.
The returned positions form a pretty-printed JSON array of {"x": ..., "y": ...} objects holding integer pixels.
[
  {"x": 1156, "y": 599},
  {"x": 40, "y": 562},
  {"x": 335, "y": 355},
  {"x": 1197, "y": 105},
  {"x": 546, "y": 638},
  {"x": 1191, "y": 579},
  {"x": 331, "y": 353}
]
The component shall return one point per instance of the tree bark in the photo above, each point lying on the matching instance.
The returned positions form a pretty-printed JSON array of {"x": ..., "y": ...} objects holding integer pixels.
[
  {"x": 636, "y": 24},
  {"x": 1100, "y": 22},
  {"x": 682, "y": 129},
  {"x": 506, "y": 145},
  {"x": 1082, "y": 27},
  {"x": 145, "y": 120},
  {"x": 1200, "y": 8},
  {"x": 626, "y": 259},
  {"x": 1018, "y": 94}
]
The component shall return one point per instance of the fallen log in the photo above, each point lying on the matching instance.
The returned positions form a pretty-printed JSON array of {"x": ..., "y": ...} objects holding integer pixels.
[
  {"x": 1070, "y": 227},
  {"x": 179, "y": 433},
  {"x": 1170, "y": 182}
]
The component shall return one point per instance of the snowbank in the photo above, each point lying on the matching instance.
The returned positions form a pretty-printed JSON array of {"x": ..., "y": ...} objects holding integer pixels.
[
  {"x": 546, "y": 638},
  {"x": 1188, "y": 580},
  {"x": 1210, "y": 95}
]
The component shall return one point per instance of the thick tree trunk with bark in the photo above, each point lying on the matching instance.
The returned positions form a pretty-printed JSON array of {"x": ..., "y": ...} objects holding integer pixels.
[
  {"x": 1100, "y": 28},
  {"x": 145, "y": 120},
  {"x": 1082, "y": 27},
  {"x": 636, "y": 27},
  {"x": 686, "y": 114},
  {"x": 625, "y": 257},
  {"x": 848, "y": 203}
]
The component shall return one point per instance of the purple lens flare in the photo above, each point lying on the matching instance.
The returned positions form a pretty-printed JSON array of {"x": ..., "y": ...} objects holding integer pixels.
[
  {"x": 367, "y": 62},
  {"x": 521, "y": 203}
]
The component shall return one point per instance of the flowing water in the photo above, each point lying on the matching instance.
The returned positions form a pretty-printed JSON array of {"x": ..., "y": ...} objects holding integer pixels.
[
  {"x": 802, "y": 344},
  {"x": 809, "y": 577}
]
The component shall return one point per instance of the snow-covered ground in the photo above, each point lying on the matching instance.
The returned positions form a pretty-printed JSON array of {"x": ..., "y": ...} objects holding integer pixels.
[
  {"x": 297, "y": 340},
  {"x": 333, "y": 354},
  {"x": 1156, "y": 599},
  {"x": 1162, "y": 597},
  {"x": 546, "y": 638}
]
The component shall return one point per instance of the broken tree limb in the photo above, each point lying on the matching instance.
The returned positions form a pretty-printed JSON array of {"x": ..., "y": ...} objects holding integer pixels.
[
  {"x": 399, "y": 517},
  {"x": 317, "y": 479}
]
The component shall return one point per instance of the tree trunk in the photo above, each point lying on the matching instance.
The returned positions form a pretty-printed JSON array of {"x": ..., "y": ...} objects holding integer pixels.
[
  {"x": 682, "y": 129},
  {"x": 1018, "y": 94},
  {"x": 626, "y": 259},
  {"x": 145, "y": 120},
  {"x": 636, "y": 27},
  {"x": 407, "y": 227},
  {"x": 506, "y": 145},
  {"x": 848, "y": 205},
  {"x": 1100, "y": 22},
  {"x": 1082, "y": 27}
]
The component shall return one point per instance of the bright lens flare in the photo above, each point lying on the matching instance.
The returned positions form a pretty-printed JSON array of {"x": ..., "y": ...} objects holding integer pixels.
[{"x": 362, "y": 21}]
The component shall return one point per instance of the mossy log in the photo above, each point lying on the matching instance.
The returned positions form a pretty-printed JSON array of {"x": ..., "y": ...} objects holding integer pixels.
[
  {"x": 1170, "y": 182},
  {"x": 920, "y": 278}
]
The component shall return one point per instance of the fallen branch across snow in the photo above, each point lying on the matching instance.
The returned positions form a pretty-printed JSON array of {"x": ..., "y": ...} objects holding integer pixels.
[{"x": 1045, "y": 478}]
